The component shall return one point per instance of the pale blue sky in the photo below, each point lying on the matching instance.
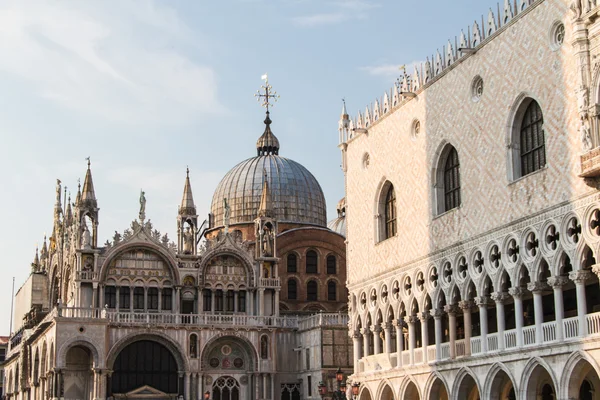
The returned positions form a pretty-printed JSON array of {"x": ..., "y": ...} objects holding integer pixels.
[{"x": 146, "y": 88}]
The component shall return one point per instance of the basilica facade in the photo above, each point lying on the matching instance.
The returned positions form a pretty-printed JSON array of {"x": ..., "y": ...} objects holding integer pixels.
[
  {"x": 473, "y": 215},
  {"x": 249, "y": 305}
]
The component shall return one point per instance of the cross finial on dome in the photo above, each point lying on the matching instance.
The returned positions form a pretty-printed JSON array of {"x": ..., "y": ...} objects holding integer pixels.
[{"x": 267, "y": 144}]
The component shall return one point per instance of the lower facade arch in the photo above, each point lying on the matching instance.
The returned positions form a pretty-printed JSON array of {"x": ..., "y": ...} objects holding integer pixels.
[
  {"x": 580, "y": 378},
  {"x": 68, "y": 345},
  {"x": 466, "y": 386},
  {"x": 499, "y": 383},
  {"x": 385, "y": 391},
  {"x": 538, "y": 381},
  {"x": 409, "y": 389},
  {"x": 436, "y": 388}
]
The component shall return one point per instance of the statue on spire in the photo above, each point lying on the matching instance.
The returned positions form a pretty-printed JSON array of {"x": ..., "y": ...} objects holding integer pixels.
[{"x": 142, "y": 205}]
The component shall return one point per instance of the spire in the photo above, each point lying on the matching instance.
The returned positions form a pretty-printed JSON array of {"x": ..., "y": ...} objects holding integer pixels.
[
  {"x": 267, "y": 144},
  {"x": 78, "y": 197},
  {"x": 69, "y": 212},
  {"x": 35, "y": 265},
  {"x": 44, "y": 248},
  {"x": 266, "y": 205},
  {"x": 88, "y": 197},
  {"x": 187, "y": 201}
]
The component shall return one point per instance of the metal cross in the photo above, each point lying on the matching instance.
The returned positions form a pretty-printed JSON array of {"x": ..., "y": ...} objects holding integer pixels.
[{"x": 269, "y": 94}]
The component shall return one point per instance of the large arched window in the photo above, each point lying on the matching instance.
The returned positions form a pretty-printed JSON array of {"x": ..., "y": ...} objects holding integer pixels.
[
  {"x": 292, "y": 263},
  {"x": 292, "y": 289},
  {"x": 311, "y": 262},
  {"x": 264, "y": 347},
  {"x": 390, "y": 213},
  {"x": 447, "y": 181},
  {"x": 331, "y": 291},
  {"x": 331, "y": 264},
  {"x": 451, "y": 181},
  {"x": 533, "y": 149},
  {"x": 312, "y": 290}
]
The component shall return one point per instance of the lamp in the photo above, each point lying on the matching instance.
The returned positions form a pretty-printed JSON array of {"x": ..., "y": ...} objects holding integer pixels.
[{"x": 207, "y": 395}]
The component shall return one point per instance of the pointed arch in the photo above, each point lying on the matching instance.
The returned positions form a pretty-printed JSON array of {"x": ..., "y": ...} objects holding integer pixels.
[
  {"x": 385, "y": 391},
  {"x": 409, "y": 389},
  {"x": 385, "y": 211},
  {"x": 465, "y": 385},
  {"x": 497, "y": 382},
  {"x": 446, "y": 179},
  {"x": 436, "y": 387},
  {"x": 580, "y": 366},
  {"x": 365, "y": 393},
  {"x": 536, "y": 374}
]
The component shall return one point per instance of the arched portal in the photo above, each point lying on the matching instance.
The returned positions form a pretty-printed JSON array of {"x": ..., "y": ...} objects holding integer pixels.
[
  {"x": 387, "y": 393},
  {"x": 78, "y": 382},
  {"x": 147, "y": 367},
  {"x": 584, "y": 382},
  {"x": 467, "y": 389},
  {"x": 540, "y": 384},
  {"x": 411, "y": 392},
  {"x": 502, "y": 386},
  {"x": 438, "y": 391},
  {"x": 229, "y": 362},
  {"x": 365, "y": 394}
]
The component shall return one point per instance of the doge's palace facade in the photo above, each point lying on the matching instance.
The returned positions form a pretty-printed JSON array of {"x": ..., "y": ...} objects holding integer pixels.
[{"x": 473, "y": 215}]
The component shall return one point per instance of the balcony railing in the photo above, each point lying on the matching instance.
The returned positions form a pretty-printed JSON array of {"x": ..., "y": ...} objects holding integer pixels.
[
  {"x": 269, "y": 282},
  {"x": 549, "y": 335}
]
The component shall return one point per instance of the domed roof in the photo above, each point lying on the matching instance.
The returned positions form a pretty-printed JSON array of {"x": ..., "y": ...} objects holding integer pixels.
[
  {"x": 338, "y": 225},
  {"x": 296, "y": 196}
]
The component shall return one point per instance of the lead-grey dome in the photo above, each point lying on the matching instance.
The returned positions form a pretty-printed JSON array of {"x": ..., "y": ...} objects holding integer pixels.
[
  {"x": 295, "y": 193},
  {"x": 296, "y": 196}
]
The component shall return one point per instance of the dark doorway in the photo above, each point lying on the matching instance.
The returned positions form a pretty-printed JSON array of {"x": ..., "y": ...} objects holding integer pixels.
[
  {"x": 187, "y": 307},
  {"x": 145, "y": 363}
]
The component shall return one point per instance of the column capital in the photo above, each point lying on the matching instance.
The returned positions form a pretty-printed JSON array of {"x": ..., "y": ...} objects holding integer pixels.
[
  {"x": 424, "y": 316},
  {"x": 558, "y": 281},
  {"x": 451, "y": 309},
  {"x": 356, "y": 334},
  {"x": 482, "y": 301},
  {"x": 500, "y": 297},
  {"x": 365, "y": 331},
  {"x": 537, "y": 287},
  {"x": 387, "y": 325},
  {"x": 579, "y": 277},
  {"x": 517, "y": 292},
  {"x": 375, "y": 328},
  {"x": 465, "y": 305},
  {"x": 398, "y": 323},
  {"x": 410, "y": 319},
  {"x": 436, "y": 313},
  {"x": 596, "y": 269}
]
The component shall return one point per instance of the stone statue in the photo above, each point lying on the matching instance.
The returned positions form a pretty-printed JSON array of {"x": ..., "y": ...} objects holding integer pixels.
[
  {"x": 58, "y": 191},
  {"x": 267, "y": 241},
  {"x": 142, "y": 205},
  {"x": 586, "y": 137},
  {"x": 188, "y": 241},
  {"x": 576, "y": 9},
  {"x": 582, "y": 101},
  {"x": 226, "y": 214},
  {"x": 86, "y": 238}
]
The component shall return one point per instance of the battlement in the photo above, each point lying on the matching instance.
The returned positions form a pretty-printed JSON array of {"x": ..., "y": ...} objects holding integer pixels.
[{"x": 407, "y": 87}]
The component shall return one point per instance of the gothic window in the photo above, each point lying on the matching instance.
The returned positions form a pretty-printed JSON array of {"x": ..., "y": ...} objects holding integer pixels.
[
  {"x": 451, "y": 181},
  {"x": 311, "y": 262},
  {"x": 230, "y": 300},
  {"x": 312, "y": 291},
  {"x": 124, "y": 298},
  {"x": 264, "y": 347},
  {"x": 167, "y": 299},
  {"x": 242, "y": 301},
  {"x": 331, "y": 291},
  {"x": 533, "y": 152},
  {"x": 219, "y": 300},
  {"x": 390, "y": 213},
  {"x": 193, "y": 345},
  {"x": 207, "y": 300},
  {"x": 292, "y": 289},
  {"x": 110, "y": 296},
  {"x": 138, "y": 298},
  {"x": 331, "y": 264},
  {"x": 292, "y": 263},
  {"x": 153, "y": 299}
]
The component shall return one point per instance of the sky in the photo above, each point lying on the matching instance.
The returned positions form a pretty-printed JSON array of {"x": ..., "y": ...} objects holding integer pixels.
[{"x": 147, "y": 88}]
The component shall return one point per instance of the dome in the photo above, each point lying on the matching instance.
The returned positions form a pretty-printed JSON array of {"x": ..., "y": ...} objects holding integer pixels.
[
  {"x": 338, "y": 225},
  {"x": 296, "y": 196}
]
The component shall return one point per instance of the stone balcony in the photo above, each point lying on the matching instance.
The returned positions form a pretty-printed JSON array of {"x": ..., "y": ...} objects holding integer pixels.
[
  {"x": 511, "y": 341},
  {"x": 590, "y": 163},
  {"x": 270, "y": 283}
]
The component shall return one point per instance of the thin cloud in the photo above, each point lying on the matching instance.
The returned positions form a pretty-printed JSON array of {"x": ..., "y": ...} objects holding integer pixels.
[
  {"x": 342, "y": 11},
  {"x": 87, "y": 58}
]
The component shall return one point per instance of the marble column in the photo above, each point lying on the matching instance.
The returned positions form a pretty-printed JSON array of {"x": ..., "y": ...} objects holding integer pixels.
[
  {"x": 411, "y": 320},
  {"x": 517, "y": 294},
  {"x": 537, "y": 288},
  {"x": 399, "y": 340},
  {"x": 466, "y": 306},
  {"x": 482, "y": 302},
  {"x": 580, "y": 277},
  {"x": 376, "y": 329},
  {"x": 437, "y": 315},
  {"x": 276, "y": 305},
  {"x": 366, "y": 333},
  {"x": 387, "y": 328},
  {"x": 557, "y": 283},
  {"x": 356, "y": 344},
  {"x": 424, "y": 318},
  {"x": 452, "y": 309},
  {"x": 500, "y": 298}
]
